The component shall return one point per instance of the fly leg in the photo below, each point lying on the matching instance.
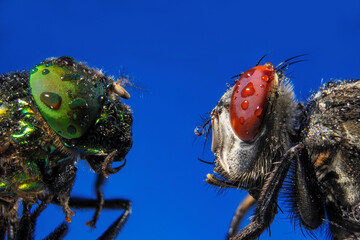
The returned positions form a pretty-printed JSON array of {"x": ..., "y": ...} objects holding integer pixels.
[
  {"x": 240, "y": 212},
  {"x": 113, "y": 204},
  {"x": 267, "y": 204}
]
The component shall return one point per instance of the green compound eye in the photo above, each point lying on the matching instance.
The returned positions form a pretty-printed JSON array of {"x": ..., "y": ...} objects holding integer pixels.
[{"x": 67, "y": 100}]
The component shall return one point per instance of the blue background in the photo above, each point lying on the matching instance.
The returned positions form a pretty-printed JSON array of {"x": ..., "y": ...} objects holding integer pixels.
[{"x": 182, "y": 53}]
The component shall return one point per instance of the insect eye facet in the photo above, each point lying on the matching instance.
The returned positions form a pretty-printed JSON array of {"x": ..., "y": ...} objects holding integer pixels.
[
  {"x": 69, "y": 101},
  {"x": 249, "y": 100}
]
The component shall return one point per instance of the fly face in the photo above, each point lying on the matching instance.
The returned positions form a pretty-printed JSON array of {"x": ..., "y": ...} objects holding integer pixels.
[
  {"x": 60, "y": 110},
  {"x": 82, "y": 106},
  {"x": 251, "y": 127},
  {"x": 320, "y": 141}
]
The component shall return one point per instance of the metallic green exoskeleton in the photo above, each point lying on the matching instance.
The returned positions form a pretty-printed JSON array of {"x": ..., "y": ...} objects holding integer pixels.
[{"x": 58, "y": 112}]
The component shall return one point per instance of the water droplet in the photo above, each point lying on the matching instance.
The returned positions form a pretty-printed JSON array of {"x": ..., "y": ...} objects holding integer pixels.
[
  {"x": 70, "y": 77},
  {"x": 265, "y": 78},
  {"x": 101, "y": 99},
  {"x": 258, "y": 111},
  {"x": 199, "y": 131},
  {"x": 45, "y": 71},
  {"x": 248, "y": 90},
  {"x": 78, "y": 103},
  {"x": 262, "y": 85},
  {"x": 245, "y": 104},
  {"x": 247, "y": 132},
  {"x": 242, "y": 120},
  {"x": 50, "y": 99},
  {"x": 33, "y": 70},
  {"x": 269, "y": 66},
  {"x": 71, "y": 129},
  {"x": 49, "y": 64},
  {"x": 249, "y": 73}
]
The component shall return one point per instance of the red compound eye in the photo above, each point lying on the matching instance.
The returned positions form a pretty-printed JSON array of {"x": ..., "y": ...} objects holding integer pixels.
[{"x": 249, "y": 100}]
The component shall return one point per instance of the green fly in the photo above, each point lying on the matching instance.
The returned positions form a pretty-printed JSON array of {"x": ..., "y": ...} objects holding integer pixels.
[{"x": 50, "y": 117}]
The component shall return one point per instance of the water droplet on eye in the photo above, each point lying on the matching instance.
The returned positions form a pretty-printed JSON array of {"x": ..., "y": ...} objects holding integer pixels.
[
  {"x": 249, "y": 73},
  {"x": 242, "y": 120},
  {"x": 45, "y": 71},
  {"x": 51, "y": 100},
  {"x": 258, "y": 111},
  {"x": 265, "y": 78},
  {"x": 70, "y": 77},
  {"x": 245, "y": 104},
  {"x": 269, "y": 66},
  {"x": 248, "y": 90},
  {"x": 33, "y": 70},
  {"x": 78, "y": 103},
  {"x": 199, "y": 131},
  {"x": 71, "y": 129}
]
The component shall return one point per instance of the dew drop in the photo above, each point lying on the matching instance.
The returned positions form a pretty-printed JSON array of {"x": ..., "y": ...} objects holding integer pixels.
[
  {"x": 269, "y": 66},
  {"x": 101, "y": 99},
  {"x": 248, "y": 90},
  {"x": 242, "y": 120},
  {"x": 265, "y": 78},
  {"x": 258, "y": 111},
  {"x": 50, "y": 99},
  {"x": 245, "y": 104},
  {"x": 45, "y": 71},
  {"x": 262, "y": 85},
  {"x": 249, "y": 73},
  {"x": 199, "y": 131},
  {"x": 33, "y": 70},
  {"x": 70, "y": 77}
]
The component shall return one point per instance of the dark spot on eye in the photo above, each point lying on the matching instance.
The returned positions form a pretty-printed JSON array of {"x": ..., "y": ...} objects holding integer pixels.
[{"x": 71, "y": 129}]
